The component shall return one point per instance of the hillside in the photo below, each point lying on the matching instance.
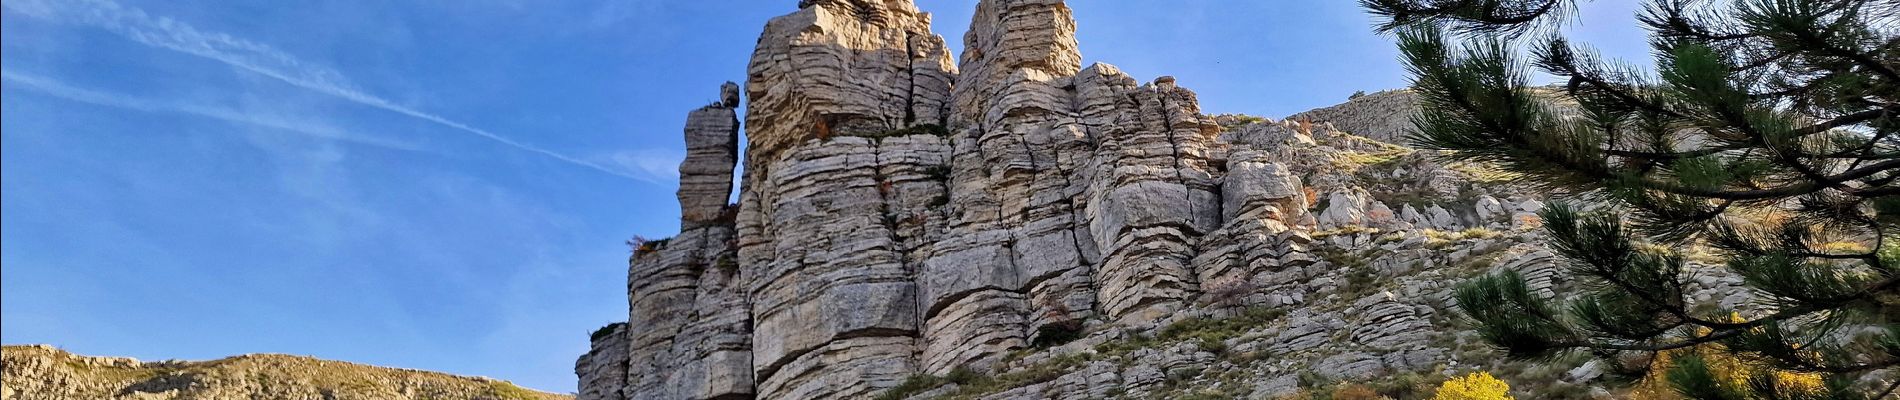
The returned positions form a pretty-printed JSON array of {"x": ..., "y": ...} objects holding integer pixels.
[{"x": 46, "y": 373}]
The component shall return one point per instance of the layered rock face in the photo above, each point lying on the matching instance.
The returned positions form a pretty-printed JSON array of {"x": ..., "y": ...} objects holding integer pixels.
[
  {"x": 1073, "y": 191},
  {"x": 837, "y": 194},
  {"x": 891, "y": 225},
  {"x": 603, "y": 370},
  {"x": 689, "y": 330},
  {"x": 1379, "y": 116},
  {"x": 900, "y": 216}
]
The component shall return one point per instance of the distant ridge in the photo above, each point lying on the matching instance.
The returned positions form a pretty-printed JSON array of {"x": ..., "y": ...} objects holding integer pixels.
[{"x": 41, "y": 372}]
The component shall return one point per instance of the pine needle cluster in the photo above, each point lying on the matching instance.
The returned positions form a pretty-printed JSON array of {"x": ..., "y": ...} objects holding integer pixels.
[{"x": 1766, "y": 131}]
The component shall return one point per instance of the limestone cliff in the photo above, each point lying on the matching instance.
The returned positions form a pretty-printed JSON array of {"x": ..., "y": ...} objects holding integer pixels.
[
  {"x": 1075, "y": 232},
  {"x": 46, "y": 373}
]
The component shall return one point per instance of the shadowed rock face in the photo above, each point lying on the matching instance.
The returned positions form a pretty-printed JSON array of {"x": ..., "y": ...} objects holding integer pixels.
[{"x": 898, "y": 217}]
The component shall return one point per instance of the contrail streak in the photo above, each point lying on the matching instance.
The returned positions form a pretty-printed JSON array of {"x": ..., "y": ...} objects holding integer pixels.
[
  {"x": 61, "y": 90},
  {"x": 166, "y": 33}
]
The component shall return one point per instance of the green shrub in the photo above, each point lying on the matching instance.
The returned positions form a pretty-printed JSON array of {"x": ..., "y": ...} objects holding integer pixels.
[
  {"x": 963, "y": 376},
  {"x": 604, "y": 331},
  {"x": 971, "y": 384},
  {"x": 911, "y": 386}
]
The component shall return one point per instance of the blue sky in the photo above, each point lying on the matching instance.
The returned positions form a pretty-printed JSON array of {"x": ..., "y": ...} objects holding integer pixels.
[{"x": 445, "y": 184}]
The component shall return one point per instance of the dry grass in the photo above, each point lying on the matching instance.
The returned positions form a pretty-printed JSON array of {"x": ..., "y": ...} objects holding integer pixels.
[{"x": 255, "y": 375}]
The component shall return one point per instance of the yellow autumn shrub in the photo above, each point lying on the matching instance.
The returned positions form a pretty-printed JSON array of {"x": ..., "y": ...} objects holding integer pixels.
[
  {"x": 1475, "y": 386},
  {"x": 1730, "y": 372}
]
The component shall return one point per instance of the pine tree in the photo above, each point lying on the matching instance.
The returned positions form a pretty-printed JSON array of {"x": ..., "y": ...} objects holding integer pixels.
[{"x": 1766, "y": 132}]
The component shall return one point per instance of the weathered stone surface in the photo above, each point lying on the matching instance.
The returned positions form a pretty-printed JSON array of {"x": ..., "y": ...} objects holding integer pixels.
[
  {"x": 899, "y": 218},
  {"x": 828, "y": 264},
  {"x": 1253, "y": 182},
  {"x": 1382, "y": 116},
  {"x": 1343, "y": 209},
  {"x": 689, "y": 334},
  {"x": 689, "y": 331},
  {"x": 712, "y": 150},
  {"x": 603, "y": 370},
  {"x": 834, "y": 212},
  {"x": 1538, "y": 266},
  {"x": 1151, "y": 190},
  {"x": 1011, "y": 257},
  {"x": 839, "y": 67},
  {"x": 1438, "y": 218}
]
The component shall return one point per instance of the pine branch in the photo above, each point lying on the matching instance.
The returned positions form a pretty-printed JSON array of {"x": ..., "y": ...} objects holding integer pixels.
[
  {"x": 1847, "y": 120},
  {"x": 1508, "y": 17},
  {"x": 1890, "y": 390},
  {"x": 1789, "y": 108}
]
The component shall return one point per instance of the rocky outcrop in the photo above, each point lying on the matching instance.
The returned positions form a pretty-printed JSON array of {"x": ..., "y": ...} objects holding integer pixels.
[
  {"x": 843, "y": 168},
  {"x": 1382, "y": 116},
  {"x": 840, "y": 67},
  {"x": 603, "y": 370},
  {"x": 46, "y": 373},
  {"x": 712, "y": 137},
  {"x": 1064, "y": 190},
  {"x": 1011, "y": 217},
  {"x": 688, "y": 332},
  {"x": 902, "y": 217}
]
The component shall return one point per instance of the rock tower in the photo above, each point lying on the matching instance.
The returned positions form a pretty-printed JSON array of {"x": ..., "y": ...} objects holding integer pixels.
[
  {"x": 898, "y": 217},
  {"x": 902, "y": 214}
]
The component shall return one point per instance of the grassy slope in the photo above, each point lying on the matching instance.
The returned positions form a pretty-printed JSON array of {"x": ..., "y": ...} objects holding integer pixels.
[{"x": 32, "y": 372}]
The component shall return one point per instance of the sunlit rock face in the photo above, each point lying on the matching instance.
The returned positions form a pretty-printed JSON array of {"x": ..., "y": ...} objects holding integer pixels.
[
  {"x": 603, "y": 370},
  {"x": 838, "y": 194},
  {"x": 904, "y": 214},
  {"x": 689, "y": 331}
]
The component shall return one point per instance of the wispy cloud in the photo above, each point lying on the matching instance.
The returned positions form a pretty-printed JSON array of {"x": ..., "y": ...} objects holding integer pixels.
[
  {"x": 650, "y": 164},
  {"x": 62, "y": 90},
  {"x": 166, "y": 33}
]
